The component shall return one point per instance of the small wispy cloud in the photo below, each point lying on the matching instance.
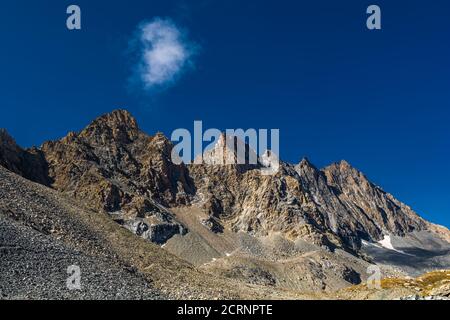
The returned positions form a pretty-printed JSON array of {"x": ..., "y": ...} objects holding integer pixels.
[{"x": 164, "y": 53}]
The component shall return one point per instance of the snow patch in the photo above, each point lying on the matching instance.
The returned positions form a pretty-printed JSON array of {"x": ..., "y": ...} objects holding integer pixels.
[
  {"x": 367, "y": 243},
  {"x": 387, "y": 243}
]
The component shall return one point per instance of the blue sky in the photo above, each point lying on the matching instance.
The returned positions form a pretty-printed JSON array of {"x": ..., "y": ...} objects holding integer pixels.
[{"x": 379, "y": 99}]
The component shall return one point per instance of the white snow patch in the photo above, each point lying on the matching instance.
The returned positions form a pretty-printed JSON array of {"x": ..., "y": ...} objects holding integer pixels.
[
  {"x": 386, "y": 242},
  {"x": 367, "y": 243}
]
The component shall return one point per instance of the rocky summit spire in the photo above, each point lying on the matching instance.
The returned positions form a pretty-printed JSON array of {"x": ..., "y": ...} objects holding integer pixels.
[
  {"x": 118, "y": 126},
  {"x": 230, "y": 150}
]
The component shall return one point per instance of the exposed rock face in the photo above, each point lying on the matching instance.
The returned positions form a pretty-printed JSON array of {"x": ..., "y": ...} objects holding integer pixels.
[
  {"x": 354, "y": 208},
  {"x": 43, "y": 232},
  {"x": 29, "y": 163},
  {"x": 158, "y": 233},
  {"x": 114, "y": 167},
  {"x": 250, "y": 202},
  {"x": 212, "y": 224},
  {"x": 336, "y": 206},
  {"x": 111, "y": 162},
  {"x": 376, "y": 211}
]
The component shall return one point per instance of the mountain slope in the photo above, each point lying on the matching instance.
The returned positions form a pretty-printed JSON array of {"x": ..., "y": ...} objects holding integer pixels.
[
  {"x": 112, "y": 166},
  {"x": 336, "y": 206},
  {"x": 34, "y": 266},
  {"x": 52, "y": 230},
  {"x": 378, "y": 212},
  {"x": 228, "y": 220}
]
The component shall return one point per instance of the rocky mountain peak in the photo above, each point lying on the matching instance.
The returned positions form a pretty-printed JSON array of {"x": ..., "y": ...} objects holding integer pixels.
[
  {"x": 118, "y": 126},
  {"x": 5, "y": 138},
  {"x": 231, "y": 151},
  {"x": 306, "y": 163},
  {"x": 118, "y": 117},
  {"x": 160, "y": 142},
  {"x": 344, "y": 164},
  {"x": 115, "y": 167},
  {"x": 344, "y": 173},
  {"x": 343, "y": 167}
]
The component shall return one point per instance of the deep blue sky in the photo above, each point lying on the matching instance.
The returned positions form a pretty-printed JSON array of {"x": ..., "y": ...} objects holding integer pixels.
[{"x": 380, "y": 100}]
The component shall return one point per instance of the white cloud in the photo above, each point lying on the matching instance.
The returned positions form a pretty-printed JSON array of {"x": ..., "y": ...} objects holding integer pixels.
[{"x": 164, "y": 53}]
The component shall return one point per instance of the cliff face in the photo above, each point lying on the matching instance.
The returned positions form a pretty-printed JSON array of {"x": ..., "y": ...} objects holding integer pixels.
[
  {"x": 113, "y": 166},
  {"x": 376, "y": 211},
  {"x": 336, "y": 206},
  {"x": 30, "y": 164}
]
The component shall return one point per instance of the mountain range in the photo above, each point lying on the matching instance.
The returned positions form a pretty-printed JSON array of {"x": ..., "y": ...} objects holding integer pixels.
[{"x": 111, "y": 197}]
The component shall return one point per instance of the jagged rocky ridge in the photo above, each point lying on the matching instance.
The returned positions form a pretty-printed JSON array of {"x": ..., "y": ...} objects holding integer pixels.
[
  {"x": 113, "y": 166},
  {"x": 336, "y": 206}
]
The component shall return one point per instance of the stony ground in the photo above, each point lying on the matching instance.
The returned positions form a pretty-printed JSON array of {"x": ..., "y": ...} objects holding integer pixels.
[
  {"x": 34, "y": 266},
  {"x": 270, "y": 261},
  {"x": 43, "y": 232}
]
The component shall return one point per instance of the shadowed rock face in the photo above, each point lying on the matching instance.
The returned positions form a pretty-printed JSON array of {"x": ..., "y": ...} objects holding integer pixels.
[
  {"x": 336, "y": 206},
  {"x": 29, "y": 163},
  {"x": 376, "y": 211},
  {"x": 113, "y": 166}
]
